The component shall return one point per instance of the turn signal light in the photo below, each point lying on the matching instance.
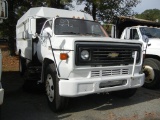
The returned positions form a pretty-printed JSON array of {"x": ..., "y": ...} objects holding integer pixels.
[{"x": 64, "y": 56}]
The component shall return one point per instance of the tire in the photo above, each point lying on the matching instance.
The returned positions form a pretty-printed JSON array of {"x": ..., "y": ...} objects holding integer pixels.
[
  {"x": 56, "y": 102},
  {"x": 152, "y": 73},
  {"x": 22, "y": 65},
  {"x": 125, "y": 93}
]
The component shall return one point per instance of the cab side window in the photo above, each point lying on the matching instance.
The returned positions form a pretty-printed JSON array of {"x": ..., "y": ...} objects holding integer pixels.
[
  {"x": 40, "y": 22},
  {"x": 134, "y": 34}
]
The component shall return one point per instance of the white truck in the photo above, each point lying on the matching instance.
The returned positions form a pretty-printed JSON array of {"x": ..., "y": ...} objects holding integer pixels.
[
  {"x": 75, "y": 56},
  {"x": 129, "y": 28}
]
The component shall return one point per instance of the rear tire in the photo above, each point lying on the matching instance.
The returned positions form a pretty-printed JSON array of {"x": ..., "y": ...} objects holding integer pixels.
[
  {"x": 56, "y": 102},
  {"x": 125, "y": 93},
  {"x": 152, "y": 73}
]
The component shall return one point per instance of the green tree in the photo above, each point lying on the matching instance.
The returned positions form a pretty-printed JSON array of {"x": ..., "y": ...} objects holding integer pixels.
[
  {"x": 150, "y": 14},
  {"x": 108, "y": 9}
]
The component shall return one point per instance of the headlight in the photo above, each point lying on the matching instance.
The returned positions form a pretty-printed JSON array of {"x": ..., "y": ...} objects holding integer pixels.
[{"x": 85, "y": 54}]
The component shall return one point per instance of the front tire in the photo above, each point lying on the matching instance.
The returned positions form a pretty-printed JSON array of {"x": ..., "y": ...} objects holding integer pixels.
[
  {"x": 56, "y": 102},
  {"x": 152, "y": 73}
]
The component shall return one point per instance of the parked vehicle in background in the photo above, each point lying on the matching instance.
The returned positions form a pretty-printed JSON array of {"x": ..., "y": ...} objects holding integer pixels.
[
  {"x": 129, "y": 28},
  {"x": 73, "y": 56}
]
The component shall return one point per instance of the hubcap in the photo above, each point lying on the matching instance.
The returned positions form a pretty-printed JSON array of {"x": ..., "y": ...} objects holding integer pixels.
[
  {"x": 149, "y": 74},
  {"x": 50, "y": 88}
]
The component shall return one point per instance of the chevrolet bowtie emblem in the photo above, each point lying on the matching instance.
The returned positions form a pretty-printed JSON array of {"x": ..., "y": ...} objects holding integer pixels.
[{"x": 113, "y": 55}]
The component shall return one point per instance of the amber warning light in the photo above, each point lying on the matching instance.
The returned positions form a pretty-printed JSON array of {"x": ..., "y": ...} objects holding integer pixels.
[{"x": 64, "y": 56}]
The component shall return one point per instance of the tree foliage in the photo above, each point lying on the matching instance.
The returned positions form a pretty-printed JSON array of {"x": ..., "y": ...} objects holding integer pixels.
[
  {"x": 150, "y": 14},
  {"x": 108, "y": 9}
]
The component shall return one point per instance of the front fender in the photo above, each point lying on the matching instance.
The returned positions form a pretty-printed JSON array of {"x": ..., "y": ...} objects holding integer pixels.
[
  {"x": 153, "y": 51},
  {"x": 64, "y": 67}
]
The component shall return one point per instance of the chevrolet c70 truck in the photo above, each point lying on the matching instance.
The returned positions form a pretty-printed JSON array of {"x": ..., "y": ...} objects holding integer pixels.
[
  {"x": 130, "y": 28},
  {"x": 75, "y": 56}
]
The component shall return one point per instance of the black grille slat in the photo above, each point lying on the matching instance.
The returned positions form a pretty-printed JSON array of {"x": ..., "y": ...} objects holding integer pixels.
[{"x": 108, "y": 54}]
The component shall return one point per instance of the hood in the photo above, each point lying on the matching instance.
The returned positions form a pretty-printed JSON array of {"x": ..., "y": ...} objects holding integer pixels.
[
  {"x": 154, "y": 43},
  {"x": 67, "y": 42}
]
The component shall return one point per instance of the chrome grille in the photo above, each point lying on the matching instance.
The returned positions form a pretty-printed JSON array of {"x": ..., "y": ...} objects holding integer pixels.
[{"x": 103, "y": 73}]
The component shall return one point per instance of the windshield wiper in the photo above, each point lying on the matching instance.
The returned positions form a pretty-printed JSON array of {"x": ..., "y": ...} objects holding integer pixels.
[
  {"x": 95, "y": 34},
  {"x": 73, "y": 33}
]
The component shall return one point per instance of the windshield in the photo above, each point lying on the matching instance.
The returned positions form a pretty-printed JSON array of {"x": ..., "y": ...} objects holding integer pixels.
[
  {"x": 69, "y": 26},
  {"x": 150, "y": 32}
]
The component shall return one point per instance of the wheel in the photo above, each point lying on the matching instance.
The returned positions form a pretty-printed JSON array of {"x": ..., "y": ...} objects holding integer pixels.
[
  {"x": 22, "y": 65},
  {"x": 56, "y": 102},
  {"x": 125, "y": 93},
  {"x": 151, "y": 70}
]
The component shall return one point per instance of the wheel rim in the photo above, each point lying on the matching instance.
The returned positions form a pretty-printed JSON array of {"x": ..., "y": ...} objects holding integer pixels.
[
  {"x": 149, "y": 74},
  {"x": 50, "y": 88}
]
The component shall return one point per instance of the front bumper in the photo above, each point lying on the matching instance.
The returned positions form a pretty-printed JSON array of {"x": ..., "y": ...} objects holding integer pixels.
[{"x": 80, "y": 87}]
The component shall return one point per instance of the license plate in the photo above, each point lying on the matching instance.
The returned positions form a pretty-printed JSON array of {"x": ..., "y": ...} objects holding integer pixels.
[{"x": 112, "y": 83}]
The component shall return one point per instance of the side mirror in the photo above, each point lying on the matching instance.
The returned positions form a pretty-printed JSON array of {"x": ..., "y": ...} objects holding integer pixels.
[
  {"x": 3, "y": 9},
  {"x": 32, "y": 26},
  {"x": 145, "y": 38}
]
